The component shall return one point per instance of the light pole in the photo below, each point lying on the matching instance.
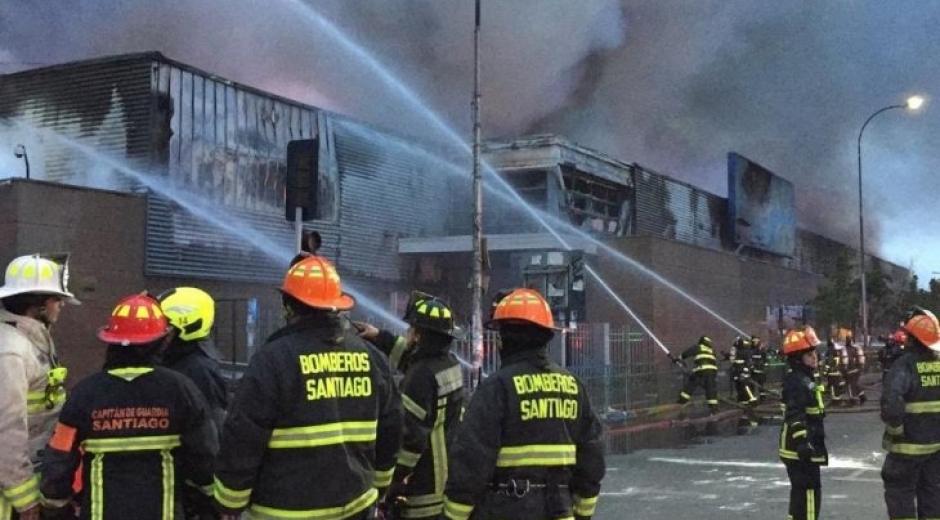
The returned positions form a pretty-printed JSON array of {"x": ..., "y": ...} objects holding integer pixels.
[
  {"x": 912, "y": 103},
  {"x": 20, "y": 152}
]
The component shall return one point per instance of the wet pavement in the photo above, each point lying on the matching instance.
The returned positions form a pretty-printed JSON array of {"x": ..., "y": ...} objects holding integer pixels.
[{"x": 740, "y": 476}]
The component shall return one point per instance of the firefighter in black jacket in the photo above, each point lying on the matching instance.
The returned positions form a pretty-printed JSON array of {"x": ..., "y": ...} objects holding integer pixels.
[
  {"x": 740, "y": 358},
  {"x": 910, "y": 411},
  {"x": 802, "y": 436},
  {"x": 141, "y": 431},
  {"x": 433, "y": 398},
  {"x": 191, "y": 312},
  {"x": 530, "y": 446},
  {"x": 704, "y": 372},
  {"x": 759, "y": 367},
  {"x": 316, "y": 421}
]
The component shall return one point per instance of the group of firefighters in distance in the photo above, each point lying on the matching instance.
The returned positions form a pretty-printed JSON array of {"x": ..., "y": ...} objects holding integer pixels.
[
  {"x": 910, "y": 407},
  {"x": 332, "y": 419},
  {"x": 841, "y": 368}
]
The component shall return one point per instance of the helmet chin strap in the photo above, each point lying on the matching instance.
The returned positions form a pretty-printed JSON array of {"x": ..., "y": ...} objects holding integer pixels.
[{"x": 42, "y": 316}]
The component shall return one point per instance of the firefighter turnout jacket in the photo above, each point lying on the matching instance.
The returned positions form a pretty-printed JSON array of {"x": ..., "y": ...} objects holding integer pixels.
[
  {"x": 802, "y": 431},
  {"x": 432, "y": 397},
  {"x": 31, "y": 395},
  {"x": 314, "y": 427},
  {"x": 140, "y": 433},
  {"x": 703, "y": 358},
  {"x": 910, "y": 404},
  {"x": 529, "y": 448},
  {"x": 192, "y": 360}
]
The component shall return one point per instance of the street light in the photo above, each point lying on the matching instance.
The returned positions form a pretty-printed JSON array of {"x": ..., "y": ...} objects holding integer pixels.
[
  {"x": 20, "y": 152},
  {"x": 912, "y": 103}
]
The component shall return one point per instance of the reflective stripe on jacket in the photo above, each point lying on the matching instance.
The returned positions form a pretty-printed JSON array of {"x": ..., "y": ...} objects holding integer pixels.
[
  {"x": 702, "y": 356},
  {"x": 910, "y": 404},
  {"x": 432, "y": 397},
  {"x": 530, "y": 426},
  {"x": 314, "y": 427},
  {"x": 803, "y": 414},
  {"x": 139, "y": 433},
  {"x": 28, "y": 406}
]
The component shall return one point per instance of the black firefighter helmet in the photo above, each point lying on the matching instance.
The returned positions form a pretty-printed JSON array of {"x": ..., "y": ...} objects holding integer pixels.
[{"x": 429, "y": 312}]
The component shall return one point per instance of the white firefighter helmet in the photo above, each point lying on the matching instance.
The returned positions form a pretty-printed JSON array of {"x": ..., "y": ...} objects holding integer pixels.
[{"x": 34, "y": 274}]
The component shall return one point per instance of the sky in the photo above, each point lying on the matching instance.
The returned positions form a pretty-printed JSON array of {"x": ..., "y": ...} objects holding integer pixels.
[{"x": 673, "y": 85}]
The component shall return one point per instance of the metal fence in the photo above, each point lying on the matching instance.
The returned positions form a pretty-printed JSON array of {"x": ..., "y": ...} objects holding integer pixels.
[{"x": 621, "y": 368}]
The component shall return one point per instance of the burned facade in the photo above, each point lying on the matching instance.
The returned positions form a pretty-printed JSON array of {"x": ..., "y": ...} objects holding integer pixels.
[{"x": 199, "y": 164}]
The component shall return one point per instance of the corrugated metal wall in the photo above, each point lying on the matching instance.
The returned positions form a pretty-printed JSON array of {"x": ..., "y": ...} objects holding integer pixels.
[
  {"x": 675, "y": 210},
  {"x": 392, "y": 188},
  {"x": 103, "y": 104},
  {"x": 225, "y": 150}
]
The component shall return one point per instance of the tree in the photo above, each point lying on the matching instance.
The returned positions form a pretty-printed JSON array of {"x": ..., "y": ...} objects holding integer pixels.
[{"x": 837, "y": 300}]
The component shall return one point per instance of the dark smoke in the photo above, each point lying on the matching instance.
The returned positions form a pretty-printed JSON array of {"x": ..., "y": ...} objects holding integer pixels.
[{"x": 671, "y": 84}]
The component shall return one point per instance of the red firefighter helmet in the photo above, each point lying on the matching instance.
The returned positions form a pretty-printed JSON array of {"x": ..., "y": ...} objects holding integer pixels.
[
  {"x": 137, "y": 320},
  {"x": 523, "y": 305},
  {"x": 314, "y": 282},
  {"x": 923, "y": 325},
  {"x": 900, "y": 337},
  {"x": 798, "y": 341}
]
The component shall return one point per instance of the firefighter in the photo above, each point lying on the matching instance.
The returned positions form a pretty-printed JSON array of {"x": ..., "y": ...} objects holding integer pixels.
[
  {"x": 138, "y": 430},
  {"x": 530, "y": 444},
  {"x": 31, "y": 379},
  {"x": 316, "y": 421},
  {"x": 894, "y": 347},
  {"x": 834, "y": 374},
  {"x": 802, "y": 437},
  {"x": 433, "y": 397},
  {"x": 744, "y": 391},
  {"x": 912, "y": 422},
  {"x": 759, "y": 367},
  {"x": 704, "y": 372},
  {"x": 740, "y": 358},
  {"x": 853, "y": 357},
  {"x": 191, "y": 312}
]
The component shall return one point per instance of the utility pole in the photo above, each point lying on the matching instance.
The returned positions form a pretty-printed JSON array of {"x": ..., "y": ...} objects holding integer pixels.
[{"x": 477, "y": 285}]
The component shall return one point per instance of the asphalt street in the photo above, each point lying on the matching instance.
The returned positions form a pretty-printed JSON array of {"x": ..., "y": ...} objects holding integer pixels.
[{"x": 740, "y": 476}]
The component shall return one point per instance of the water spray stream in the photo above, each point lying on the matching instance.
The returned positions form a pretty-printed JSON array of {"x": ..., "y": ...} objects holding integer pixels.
[
  {"x": 408, "y": 95},
  {"x": 550, "y": 223},
  {"x": 216, "y": 217}
]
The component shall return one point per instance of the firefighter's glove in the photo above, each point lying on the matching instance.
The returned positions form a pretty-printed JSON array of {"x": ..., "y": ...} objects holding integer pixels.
[
  {"x": 676, "y": 361},
  {"x": 805, "y": 452}
]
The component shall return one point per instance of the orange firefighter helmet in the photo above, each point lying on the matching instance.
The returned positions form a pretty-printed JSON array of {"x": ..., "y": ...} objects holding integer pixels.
[
  {"x": 523, "y": 305},
  {"x": 798, "y": 341},
  {"x": 314, "y": 282},
  {"x": 923, "y": 325}
]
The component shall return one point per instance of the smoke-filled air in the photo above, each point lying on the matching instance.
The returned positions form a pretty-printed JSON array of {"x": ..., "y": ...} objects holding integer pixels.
[{"x": 673, "y": 85}]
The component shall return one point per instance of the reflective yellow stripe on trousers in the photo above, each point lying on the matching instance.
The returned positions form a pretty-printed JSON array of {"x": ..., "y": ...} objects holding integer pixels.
[{"x": 100, "y": 447}]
